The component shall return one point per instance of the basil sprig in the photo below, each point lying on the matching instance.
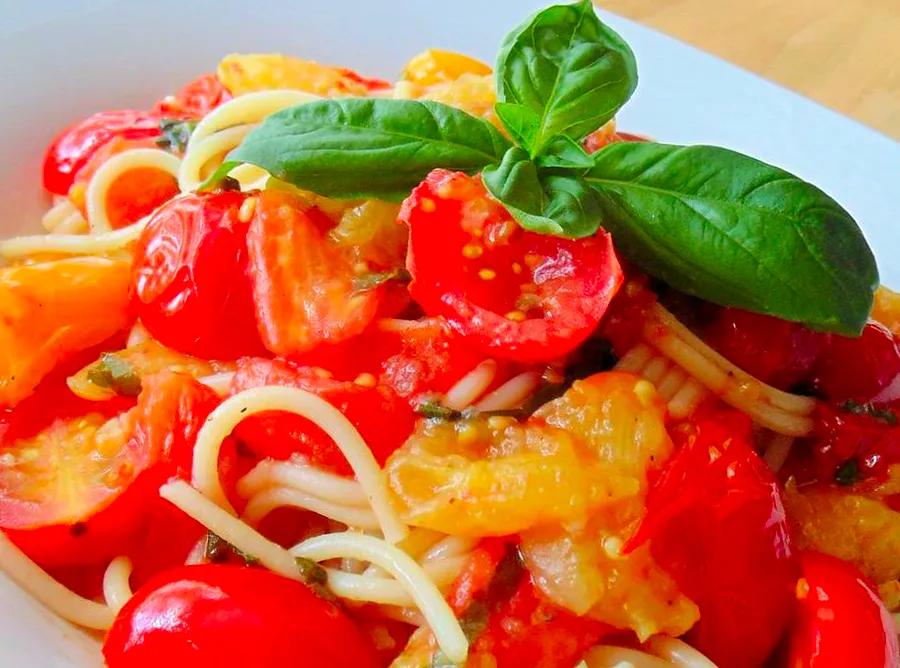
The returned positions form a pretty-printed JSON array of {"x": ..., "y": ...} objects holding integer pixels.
[{"x": 709, "y": 221}]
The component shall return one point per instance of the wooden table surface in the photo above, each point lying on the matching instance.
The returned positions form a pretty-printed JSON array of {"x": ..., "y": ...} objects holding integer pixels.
[{"x": 842, "y": 53}]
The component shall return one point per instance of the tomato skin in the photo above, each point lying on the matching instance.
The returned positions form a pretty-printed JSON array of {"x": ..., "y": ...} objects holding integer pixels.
[
  {"x": 170, "y": 411},
  {"x": 716, "y": 522},
  {"x": 191, "y": 286},
  {"x": 195, "y": 99},
  {"x": 858, "y": 368},
  {"x": 281, "y": 436},
  {"x": 509, "y": 292},
  {"x": 74, "y": 146},
  {"x": 776, "y": 351},
  {"x": 840, "y": 619},
  {"x": 217, "y": 615}
]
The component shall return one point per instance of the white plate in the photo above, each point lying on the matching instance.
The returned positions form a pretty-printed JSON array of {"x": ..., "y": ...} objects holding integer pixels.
[{"x": 60, "y": 61}]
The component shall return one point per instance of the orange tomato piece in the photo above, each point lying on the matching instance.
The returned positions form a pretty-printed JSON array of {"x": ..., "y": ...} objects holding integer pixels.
[
  {"x": 434, "y": 66},
  {"x": 302, "y": 284},
  {"x": 138, "y": 192},
  {"x": 51, "y": 310}
]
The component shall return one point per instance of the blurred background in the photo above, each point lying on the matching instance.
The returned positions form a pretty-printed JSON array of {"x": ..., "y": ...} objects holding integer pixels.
[{"x": 844, "y": 54}]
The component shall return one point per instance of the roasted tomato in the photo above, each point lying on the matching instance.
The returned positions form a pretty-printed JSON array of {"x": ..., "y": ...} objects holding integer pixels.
[
  {"x": 196, "y": 99},
  {"x": 191, "y": 285},
  {"x": 51, "y": 311},
  {"x": 75, "y": 145},
  {"x": 776, "y": 351},
  {"x": 303, "y": 284},
  {"x": 512, "y": 293},
  {"x": 80, "y": 491},
  {"x": 716, "y": 522},
  {"x": 217, "y": 615},
  {"x": 840, "y": 619},
  {"x": 859, "y": 368},
  {"x": 365, "y": 404}
]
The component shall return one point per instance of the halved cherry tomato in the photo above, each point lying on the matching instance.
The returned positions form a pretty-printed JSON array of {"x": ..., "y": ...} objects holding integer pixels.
[
  {"x": 716, "y": 522},
  {"x": 75, "y": 145},
  {"x": 840, "y": 619},
  {"x": 861, "y": 367},
  {"x": 136, "y": 193},
  {"x": 195, "y": 99},
  {"x": 776, "y": 351},
  {"x": 191, "y": 284},
  {"x": 510, "y": 292},
  {"x": 281, "y": 435},
  {"x": 81, "y": 490},
  {"x": 217, "y": 615},
  {"x": 302, "y": 284}
]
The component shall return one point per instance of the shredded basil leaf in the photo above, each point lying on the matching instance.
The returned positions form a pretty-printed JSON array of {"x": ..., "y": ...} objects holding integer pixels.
[
  {"x": 847, "y": 473},
  {"x": 218, "y": 549},
  {"x": 175, "y": 134},
  {"x": 371, "y": 281},
  {"x": 870, "y": 410},
  {"x": 115, "y": 373}
]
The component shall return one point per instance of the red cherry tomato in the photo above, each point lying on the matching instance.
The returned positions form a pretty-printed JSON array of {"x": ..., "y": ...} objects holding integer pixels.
[
  {"x": 217, "y": 615},
  {"x": 716, "y": 522},
  {"x": 75, "y": 145},
  {"x": 858, "y": 368},
  {"x": 76, "y": 495},
  {"x": 512, "y": 293},
  {"x": 280, "y": 436},
  {"x": 302, "y": 284},
  {"x": 840, "y": 619},
  {"x": 196, "y": 99},
  {"x": 191, "y": 285},
  {"x": 776, "y": 351}
]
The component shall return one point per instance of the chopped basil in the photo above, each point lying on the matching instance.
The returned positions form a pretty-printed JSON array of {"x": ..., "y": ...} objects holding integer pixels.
[
  {"x": 314, "y": 576},
  {"x": 370, "y": 281},
  {"x": 218, "y": 549},
  {"x": 175, "y": 134},
  {"x": 870, "y": 410},
  {"x": 847, "y": 473},
  {"x": 115, "y": 373}
]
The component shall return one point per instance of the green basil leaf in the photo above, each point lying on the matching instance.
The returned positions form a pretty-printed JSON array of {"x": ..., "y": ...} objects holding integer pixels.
[
  {"x": 522, "y": 123},
  {"x": 219, "y": 179},
  {"x": 354, "y": 148},
  {"x": 543, "y": 202},
  {"x": 736, "y": 231},
  {"x": 175, "y": 134},
  {"x": 564, "y": 152},
  {"x": 568, "y": 68},
  {"x": 115, "y": 373}
]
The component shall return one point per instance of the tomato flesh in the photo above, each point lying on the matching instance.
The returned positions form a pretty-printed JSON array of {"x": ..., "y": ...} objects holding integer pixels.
[
  {"x": 509, "y": 292},
  {"x": 840, "y": 620},
  {"x": 715, "y": 520},
  {"x": 74, "y": 146},
  {"x": 859, "y": 368},
  {"x": 195, "y": 99},
  {"x": 218, "y": 615},
  {"x": 191, "y": 285},
  {"x": 281, "y": 436}
]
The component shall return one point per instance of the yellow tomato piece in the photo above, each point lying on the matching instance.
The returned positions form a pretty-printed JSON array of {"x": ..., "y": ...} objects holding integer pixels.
[
  {"x": 370, "y": 233},
  {"x": 434, "y": 66},
  {"x": 886, "y": 309},
  {"x": 243, "y": 73},
  {"x": 470, "y": 92},
  {"x": 856, "y": 527},
  {"x": 586, "y": 572},
  {"x": 494, "y": 476},
  {"x": 143, "y": 359},
  {"x": 53, "y": 309},
  {"x": 619, "y": 416}
]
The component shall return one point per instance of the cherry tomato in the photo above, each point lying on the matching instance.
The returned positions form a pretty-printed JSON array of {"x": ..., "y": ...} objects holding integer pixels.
[
  {"x": 840, "y": 619},
  {"x": 512, "y": 293},
  {"x": 475, "y": 577},
  {"x": 217, "y": 615},
  {"x": 80, "y": 491},
  {"x": 716, "y": 522},
  {"x": 858, "y": 368},
  {"x": 191, "y": 284},
  {"x": 281, "y": 435},
  {"x": 776, "y": 351},
  {"x": 370, "y": 83},
  {"x": 605, "y": 136},
  {"x": 136, "y": 193},
  {"x": 196, "y": 99},
  {"x": 302, "y": 284},
  {"x": 75, "y": 145}
]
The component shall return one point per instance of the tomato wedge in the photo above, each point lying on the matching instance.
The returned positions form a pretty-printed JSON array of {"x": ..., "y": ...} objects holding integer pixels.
[
  {"x": 74, "y": 146},
  {"x": 217, "y": 615},
  {"x": 859, "y": 368},
  {"x": 80, "y": 491},
  {"x": 302, "y": 284},
  {"x": 195, "y": 99},
  {"x": 840, "y": 619},
  {"x": 280, "y": 435},
  {"x": 190, "y": 280},
  {"x": 716, "y": 522},
  {"x": 511, "y": 293}
]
